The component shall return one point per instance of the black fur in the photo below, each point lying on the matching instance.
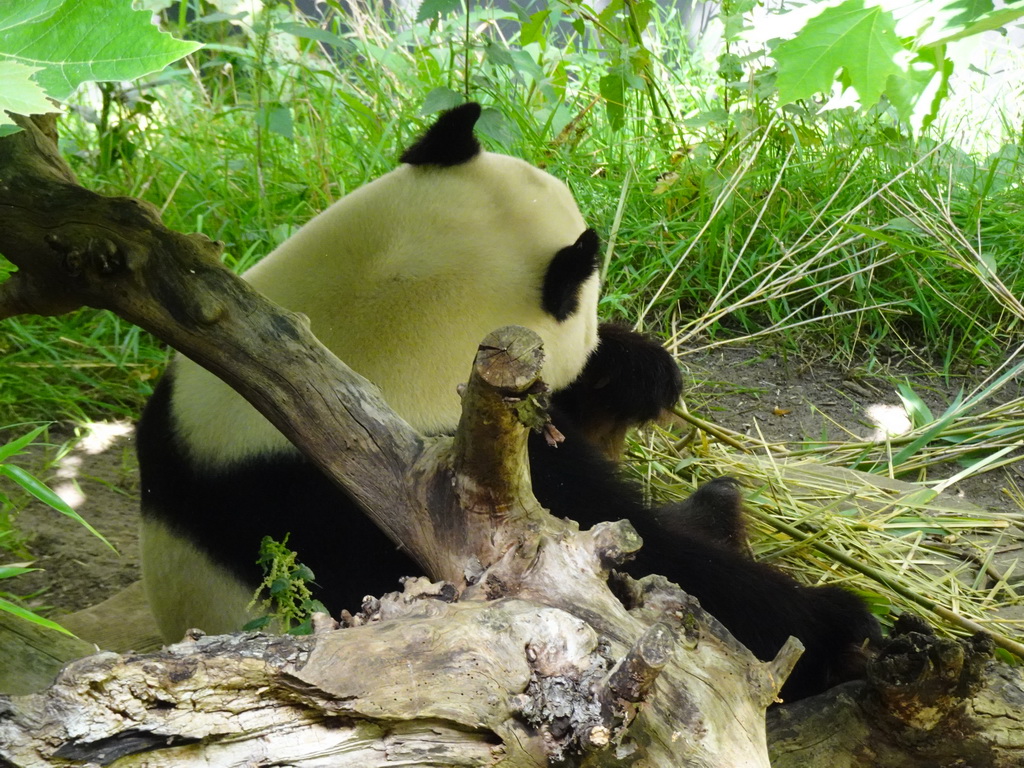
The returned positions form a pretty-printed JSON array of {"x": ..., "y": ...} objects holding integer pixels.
[
  {"x": 715, "y": 510},
  {"x": 560, "y": 294},
  {"x": 227, "y": 511},
  {"x": 629, "y": 380},
  {"x": 759, "y": 604},
  {"x": 449, "y": 141}
]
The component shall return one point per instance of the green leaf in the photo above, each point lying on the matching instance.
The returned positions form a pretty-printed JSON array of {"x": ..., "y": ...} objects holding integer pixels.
[
  {"x": 255, "y": 624},
  {"x": 967, "y": 11},
  {"x": 35, "y": 618},
  {"x": 307, "y": 32},
  {"x": 439, "y": 100},
  {"x": 9, "y": 571},
  {"x": 493, "y": 125},
  {"x": 315, "y": 606},
  {"x": 859, "y": 41},
  {"x": 929, "y": 434},
  {"x": 431, "y": 9},
  {"x": 1005, "y": 167},
  {"x": 903, "y": 224},
  {"x": 303, "y": 628},
  {"x": 17, "y": 446},
  {"x": 967, "y": 24},
  {"x": 277, "y": 118},
  {"x": 918, "y": 92},
  {"x": 20, "y": 93},
  {"x": 735, "y": 19},
  {"x": 641, "y": 10},
  {"x": 988, "y": 260},
  {"x": 613, "y": 91},
  {"x": 38, "y": 489},
  {"x": 499, "y": 54},
  {"x": 533, "y": 29},
  {"x": 916, "y": 408},
  {"x": 895, "y": 242},
  {"x": 80, "y": 40},
  {"x": 14, "y": 13},
  {"x": 614, "y": 7}
]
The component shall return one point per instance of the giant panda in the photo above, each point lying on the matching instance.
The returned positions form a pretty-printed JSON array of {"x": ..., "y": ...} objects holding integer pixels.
[{"x": 402, "y": 279}]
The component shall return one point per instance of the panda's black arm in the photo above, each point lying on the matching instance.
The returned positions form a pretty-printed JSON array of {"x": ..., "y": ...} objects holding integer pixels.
[
  {"x": 627, "y": 381},
  {"x": 714, "y": 511}
]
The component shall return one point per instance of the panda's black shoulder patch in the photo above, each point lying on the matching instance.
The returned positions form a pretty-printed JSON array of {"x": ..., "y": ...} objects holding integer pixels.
[
  {"x": 568, "y": 270},
  {"x": 449, "y": 141}
]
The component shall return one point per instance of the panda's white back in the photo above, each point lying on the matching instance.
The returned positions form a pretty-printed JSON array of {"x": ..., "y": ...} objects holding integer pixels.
[{"x": 402, "y": 279}]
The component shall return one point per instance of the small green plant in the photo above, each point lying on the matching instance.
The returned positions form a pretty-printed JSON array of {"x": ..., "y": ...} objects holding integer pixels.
[
  {"x": 35, "y": 487},
  {"x": 288, "y": 602}
]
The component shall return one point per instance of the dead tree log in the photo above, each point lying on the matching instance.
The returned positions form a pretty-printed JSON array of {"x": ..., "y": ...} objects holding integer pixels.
[
  {"x": 928, "y": 701},
  {"x": 537, "y": 663}
]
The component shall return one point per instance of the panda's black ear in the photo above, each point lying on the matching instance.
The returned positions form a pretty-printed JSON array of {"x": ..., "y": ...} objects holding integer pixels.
[
  {"x": 449, "y": 141},
  {"x": 566, "y": 274}
]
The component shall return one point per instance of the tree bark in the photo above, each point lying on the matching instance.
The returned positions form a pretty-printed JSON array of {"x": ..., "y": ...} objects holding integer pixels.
[{"x": 928, "y": 701}]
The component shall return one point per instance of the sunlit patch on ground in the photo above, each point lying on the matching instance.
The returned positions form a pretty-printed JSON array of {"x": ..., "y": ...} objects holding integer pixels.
[
  {"x": 98, "y": 436},
  {"x": 888, "y": 421}
]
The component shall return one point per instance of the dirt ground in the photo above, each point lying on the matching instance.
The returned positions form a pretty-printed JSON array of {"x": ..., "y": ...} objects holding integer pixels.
[{"x": 785, "y": 399}]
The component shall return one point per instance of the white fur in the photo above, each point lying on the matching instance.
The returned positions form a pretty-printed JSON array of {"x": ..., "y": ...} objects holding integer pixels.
[
  {"x": 179, "y": 580},
  {"x": 402, "y": 279}
]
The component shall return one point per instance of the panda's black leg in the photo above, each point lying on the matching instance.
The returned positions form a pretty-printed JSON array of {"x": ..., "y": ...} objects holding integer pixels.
[
  {"x": 700, "y": 545},
  {"x": 226, "y": 510},
  {"x": 628, "y": 380},
  {"x": 762, "y": 607}
]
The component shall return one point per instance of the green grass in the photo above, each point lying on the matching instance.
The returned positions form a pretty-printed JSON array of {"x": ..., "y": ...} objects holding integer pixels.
[
  {"x": 86, "y": 366},
  {"x": 761, "y": 225}
]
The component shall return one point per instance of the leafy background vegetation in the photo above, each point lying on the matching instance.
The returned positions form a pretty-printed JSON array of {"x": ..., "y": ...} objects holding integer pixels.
[{"x": 844, "y": 177}]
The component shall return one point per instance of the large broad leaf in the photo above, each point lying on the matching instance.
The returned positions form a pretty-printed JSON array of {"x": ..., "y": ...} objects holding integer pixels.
[
  {"x": 918, "y": 93},
  {"x": 971, "y": 17},
  {"x": 73, "y": 41},
  {"x": 431, "y": 9},
  {"x": 20, "y": 93},
  {"x": 860, "y": 41},
  {"x": 16, "y": 12}
]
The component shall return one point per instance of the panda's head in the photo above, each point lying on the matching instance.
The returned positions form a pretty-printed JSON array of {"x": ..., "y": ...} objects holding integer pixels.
[{"x": 406, "y": 275}]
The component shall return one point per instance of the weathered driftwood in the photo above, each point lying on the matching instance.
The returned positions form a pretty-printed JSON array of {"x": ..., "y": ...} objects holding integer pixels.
[
  {"x": 538, "y": 662},
  {"x": 928, "y": 701},
  {"x": 503, "y": 682},
  {"x": 31, "y": 656},
  {"x": 684, "y": 691}
]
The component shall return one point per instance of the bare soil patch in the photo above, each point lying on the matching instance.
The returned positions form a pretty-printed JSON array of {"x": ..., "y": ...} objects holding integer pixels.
[{"x": 97, "y": 474}]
